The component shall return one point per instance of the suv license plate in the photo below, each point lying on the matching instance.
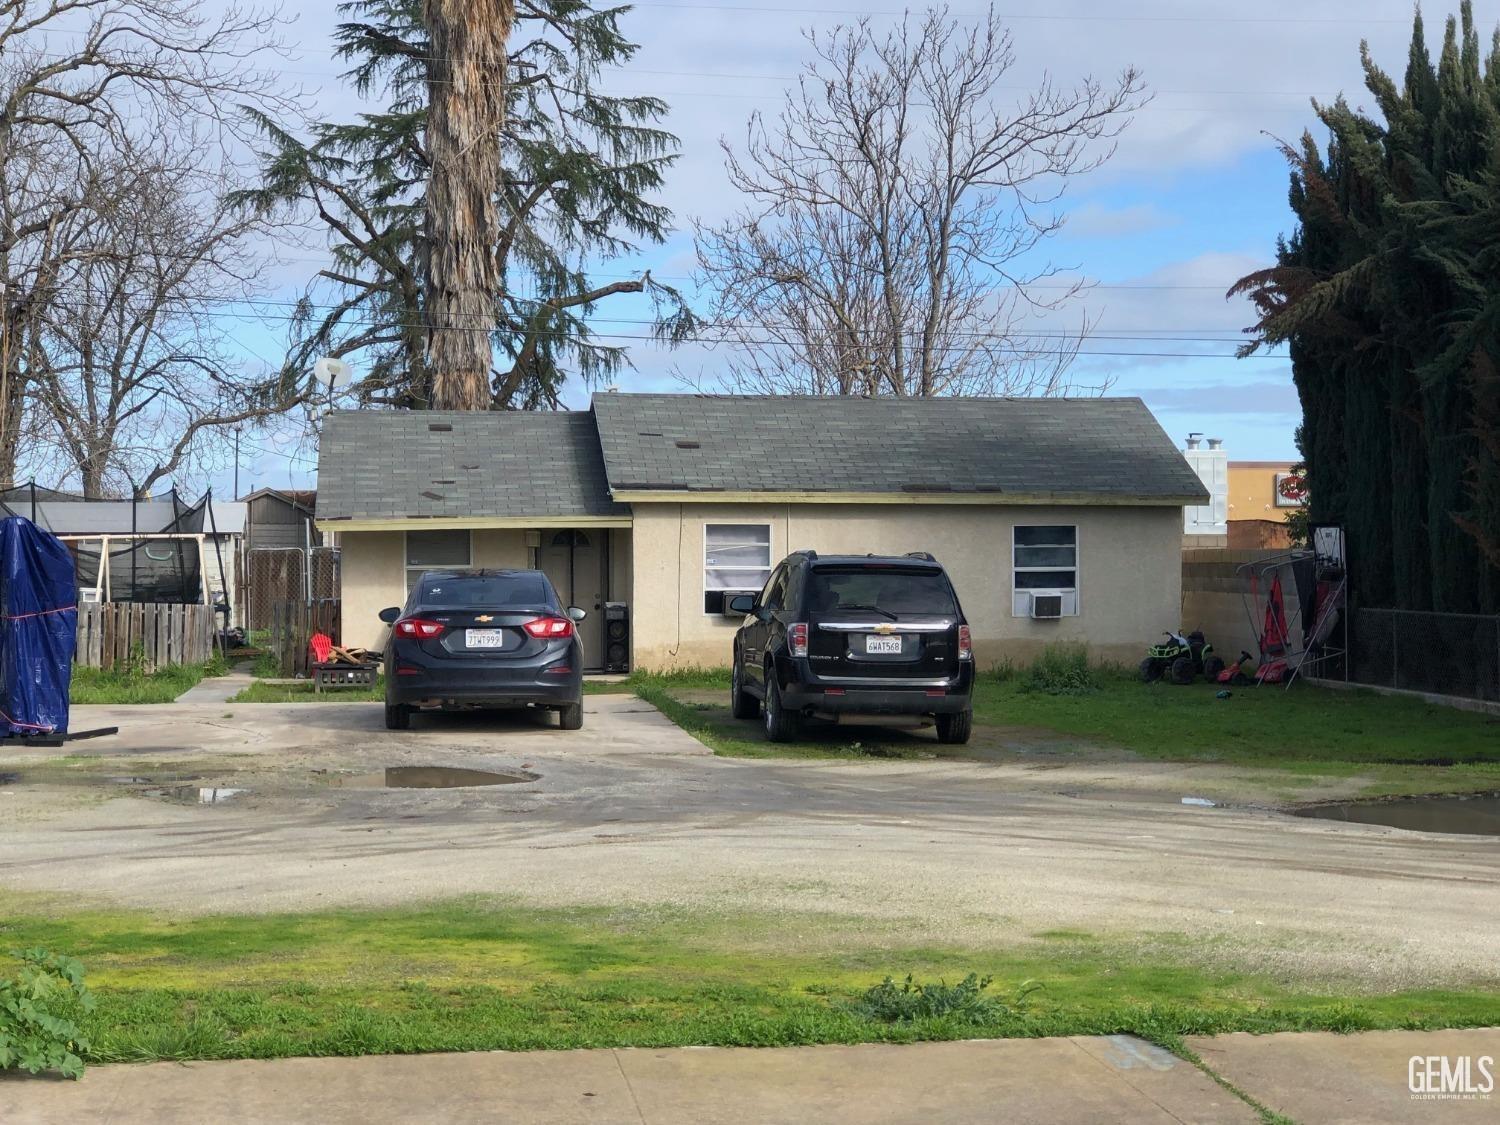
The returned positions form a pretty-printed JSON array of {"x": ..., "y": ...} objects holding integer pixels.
[
  {"x": 882, "y": 645},
  {"x": 484, "y": 638}
]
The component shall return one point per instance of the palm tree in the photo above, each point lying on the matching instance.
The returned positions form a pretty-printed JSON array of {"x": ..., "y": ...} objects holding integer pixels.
[{"x": 466, "y": 111}]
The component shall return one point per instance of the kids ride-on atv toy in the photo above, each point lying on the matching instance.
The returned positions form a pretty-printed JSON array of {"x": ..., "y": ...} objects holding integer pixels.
[{"x": 1182, "y": 659}]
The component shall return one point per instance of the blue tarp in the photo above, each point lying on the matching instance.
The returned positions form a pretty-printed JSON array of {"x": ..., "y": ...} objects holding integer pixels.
[{"x": 38, "y": 629}]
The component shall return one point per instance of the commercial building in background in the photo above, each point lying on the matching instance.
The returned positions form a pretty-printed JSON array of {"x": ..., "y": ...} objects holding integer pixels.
[
  {"x": 1249, "y": 501},
  {"x": 1262, "y": 497}
]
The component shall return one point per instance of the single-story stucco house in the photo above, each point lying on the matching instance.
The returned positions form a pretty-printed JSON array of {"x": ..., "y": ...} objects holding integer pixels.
[{"x": 1057, "y": 519}]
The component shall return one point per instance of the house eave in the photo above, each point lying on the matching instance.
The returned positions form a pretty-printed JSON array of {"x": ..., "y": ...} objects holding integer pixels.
[
  {"x": 459, "y": 523},
  {"x": 988, "y": 499}
]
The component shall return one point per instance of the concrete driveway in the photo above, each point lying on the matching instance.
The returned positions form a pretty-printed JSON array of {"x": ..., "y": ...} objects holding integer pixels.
[{"x": 632, "y": 811}]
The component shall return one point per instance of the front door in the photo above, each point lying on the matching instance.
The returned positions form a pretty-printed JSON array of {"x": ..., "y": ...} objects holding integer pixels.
[{"x": 574, "y": 562}]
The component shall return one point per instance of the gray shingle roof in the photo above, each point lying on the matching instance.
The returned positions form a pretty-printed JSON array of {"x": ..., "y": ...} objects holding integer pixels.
[
  {"x": 395, "y": 465},
  {"x": 1094, "y": 448}
]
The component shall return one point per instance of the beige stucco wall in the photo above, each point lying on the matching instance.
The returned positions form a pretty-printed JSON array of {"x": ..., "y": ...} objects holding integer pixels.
[
  {"x": 374, "y": 574},
  {"x": 1130, "y": 571}
]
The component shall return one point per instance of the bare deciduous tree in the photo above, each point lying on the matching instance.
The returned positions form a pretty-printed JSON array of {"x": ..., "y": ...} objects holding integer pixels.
[
  {"x": 80, "y": 81},
  {"x": 890, "y": 246},
  {"x": 131, "y": 370}
]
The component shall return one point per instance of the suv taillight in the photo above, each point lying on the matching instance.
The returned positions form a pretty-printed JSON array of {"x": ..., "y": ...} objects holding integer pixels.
[
  {"x": 549, "y": 628},
  {"x": 418, "y": 627},
  {"x": 965, "y": 645},
  {"x": 796, "y": 638}
]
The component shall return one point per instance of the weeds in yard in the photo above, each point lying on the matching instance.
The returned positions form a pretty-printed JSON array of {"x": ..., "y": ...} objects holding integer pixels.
[
  {"x": 38, "y": 1007},
  {"x": 964, "y": 1002},
  {"x": 267, "y": 665},
  {"x": 130, "y": 682},
  {"x": 1061, "y": 669}
]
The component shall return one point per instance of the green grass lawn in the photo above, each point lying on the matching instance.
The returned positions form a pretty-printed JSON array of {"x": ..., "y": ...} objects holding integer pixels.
[
  {"x": 259, "y": 692},
  {"x": 1297, "y": 729},
  {"x": 479, "y": 975},
  {"x": 133, "y": 685}
]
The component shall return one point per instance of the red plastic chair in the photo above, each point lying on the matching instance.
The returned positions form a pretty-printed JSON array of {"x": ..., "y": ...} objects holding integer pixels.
[{"x": 322, "y": 647}]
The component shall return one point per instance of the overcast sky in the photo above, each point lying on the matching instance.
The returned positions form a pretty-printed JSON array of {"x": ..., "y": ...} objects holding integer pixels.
[{"x": 1194, "y": 198}]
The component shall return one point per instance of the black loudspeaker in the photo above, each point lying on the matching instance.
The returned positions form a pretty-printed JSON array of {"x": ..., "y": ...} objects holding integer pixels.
[{"x": 616, "y": 637}]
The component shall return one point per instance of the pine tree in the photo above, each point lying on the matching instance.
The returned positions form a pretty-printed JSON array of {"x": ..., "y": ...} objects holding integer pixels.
[{"x": 576, "y": 169}]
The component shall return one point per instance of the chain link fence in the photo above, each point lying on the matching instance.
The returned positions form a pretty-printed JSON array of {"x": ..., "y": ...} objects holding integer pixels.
[
  {"x": 1443, "y": 653},
  {"x": 278, "y": 576}
]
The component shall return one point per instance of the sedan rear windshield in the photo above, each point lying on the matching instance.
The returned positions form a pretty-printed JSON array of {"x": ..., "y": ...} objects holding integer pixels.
[
  {"x": 889, "y": 591},
  {"x": 489, "y": 591}
]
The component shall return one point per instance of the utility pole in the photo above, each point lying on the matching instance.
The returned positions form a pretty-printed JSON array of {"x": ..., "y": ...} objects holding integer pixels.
[{"x": 237, "y": 461}]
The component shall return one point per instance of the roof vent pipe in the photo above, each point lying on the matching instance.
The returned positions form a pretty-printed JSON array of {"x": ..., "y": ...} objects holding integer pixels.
[
  {"x": 1193, "y": 439},
  {"x": 1216, "y": 443}
]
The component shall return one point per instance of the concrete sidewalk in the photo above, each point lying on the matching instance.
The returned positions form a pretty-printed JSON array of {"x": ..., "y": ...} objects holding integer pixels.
[
  {"x": 219, "y": 689},
  {"x": 1081, "y": 1080}
]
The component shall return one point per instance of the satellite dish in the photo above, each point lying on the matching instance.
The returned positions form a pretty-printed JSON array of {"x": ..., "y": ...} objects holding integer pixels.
[{"x": 334, "y": 372}]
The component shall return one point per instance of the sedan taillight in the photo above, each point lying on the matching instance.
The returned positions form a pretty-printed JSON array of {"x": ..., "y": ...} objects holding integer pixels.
[
  {"x": 965, "y": 644},
  {"x": 549, "y": 628},
  {"x": 796, "y": 638},
  {"x": 418, "y": 627}
]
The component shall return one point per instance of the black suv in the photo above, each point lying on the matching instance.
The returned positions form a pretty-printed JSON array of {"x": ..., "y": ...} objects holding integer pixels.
[{"x": 834, "y": 635}]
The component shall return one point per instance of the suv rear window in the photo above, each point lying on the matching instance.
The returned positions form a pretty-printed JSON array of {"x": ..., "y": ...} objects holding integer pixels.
[
  {"x": 830, "y": 589},
  {"x": 490, "y": 591}
]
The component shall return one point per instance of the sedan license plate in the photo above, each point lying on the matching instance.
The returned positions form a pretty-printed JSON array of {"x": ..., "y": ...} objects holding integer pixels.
[
  {"x": 484, "y": 638},
  {"x": 875, "y": 646}
]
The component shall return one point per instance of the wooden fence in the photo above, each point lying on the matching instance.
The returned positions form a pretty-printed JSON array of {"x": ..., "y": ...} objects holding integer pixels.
[
  {"x": 114, "y": 633},
  {"x": 292, "y": 627}
]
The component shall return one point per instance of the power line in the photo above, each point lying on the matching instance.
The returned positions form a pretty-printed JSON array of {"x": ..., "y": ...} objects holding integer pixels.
[{"x": 1037, "y": 17}]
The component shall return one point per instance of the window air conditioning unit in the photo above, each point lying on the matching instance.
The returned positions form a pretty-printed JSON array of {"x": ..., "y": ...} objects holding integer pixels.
[
  {"x": 88, "y": 596},
  {"x": 1046, "y": 607}
]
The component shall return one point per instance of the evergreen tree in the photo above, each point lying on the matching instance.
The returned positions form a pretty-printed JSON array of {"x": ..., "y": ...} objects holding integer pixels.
[
  {"x": 577, "y": 168},
  {"x": 1388, "y": 295}
]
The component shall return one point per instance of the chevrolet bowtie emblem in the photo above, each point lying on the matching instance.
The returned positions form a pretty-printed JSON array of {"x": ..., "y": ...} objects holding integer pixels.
[
  {"x": 485, "y": 617},
  {"x": 885, "y": 628}
]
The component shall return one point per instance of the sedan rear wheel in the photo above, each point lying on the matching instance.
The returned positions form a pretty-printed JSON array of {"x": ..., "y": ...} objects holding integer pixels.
[
  {"x": 397, "y": 716},
  {"x": 571, "y": 716}
]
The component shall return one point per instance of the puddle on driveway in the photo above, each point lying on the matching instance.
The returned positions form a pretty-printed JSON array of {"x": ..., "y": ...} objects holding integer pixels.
[
  {"x": 432, "y": 777},
  {"x": 1465, "y": 816},
  {"x": 193, "y": 794}
]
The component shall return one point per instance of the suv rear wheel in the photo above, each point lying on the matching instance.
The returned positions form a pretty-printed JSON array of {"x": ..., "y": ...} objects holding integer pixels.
[
  {"x": 742, "y": 705},
  {"x": 955, "y": 729},
  {"x": 781, "y": 725}
]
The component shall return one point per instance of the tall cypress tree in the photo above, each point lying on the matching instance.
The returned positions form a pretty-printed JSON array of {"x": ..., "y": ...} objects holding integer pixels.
[
  {"x": 1388, "y": 296},
  {"x": 577, "y": 171}
]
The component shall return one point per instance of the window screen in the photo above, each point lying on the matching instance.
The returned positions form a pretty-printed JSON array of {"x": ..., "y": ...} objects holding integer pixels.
[
  {"x": 736, "y": 560},
  {"x": 1044, "y": 559}
]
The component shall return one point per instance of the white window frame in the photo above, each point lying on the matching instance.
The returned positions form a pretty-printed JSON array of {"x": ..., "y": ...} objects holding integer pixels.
[
  {"x": 410, "y": 573},
  {"x": 1020, "y": 599},
  {"x": 764, "y": 572}
]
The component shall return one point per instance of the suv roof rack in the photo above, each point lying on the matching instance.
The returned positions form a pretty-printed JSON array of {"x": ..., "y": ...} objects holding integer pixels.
[{"x": 807, "y": 552}]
